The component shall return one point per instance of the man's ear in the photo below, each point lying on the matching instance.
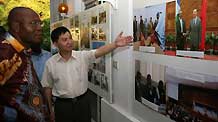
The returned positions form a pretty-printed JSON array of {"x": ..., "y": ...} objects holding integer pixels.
[
  {"x": 16, "y": 26},
  {"x": 55, "y": 44}
]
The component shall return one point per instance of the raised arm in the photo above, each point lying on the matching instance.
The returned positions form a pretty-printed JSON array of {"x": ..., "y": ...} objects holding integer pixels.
[{"x": 120, "y": 41}]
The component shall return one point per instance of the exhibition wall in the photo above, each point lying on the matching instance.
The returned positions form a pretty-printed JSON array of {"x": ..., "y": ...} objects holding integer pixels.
[{"x": 179, "y": 74}]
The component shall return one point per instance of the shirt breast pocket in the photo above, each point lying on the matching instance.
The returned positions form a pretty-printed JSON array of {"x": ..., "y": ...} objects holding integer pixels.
[{"x": 59, "y": 74}]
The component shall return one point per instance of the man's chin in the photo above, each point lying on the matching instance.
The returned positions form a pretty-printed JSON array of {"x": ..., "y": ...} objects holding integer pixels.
[{"x": 37, "y": 41}]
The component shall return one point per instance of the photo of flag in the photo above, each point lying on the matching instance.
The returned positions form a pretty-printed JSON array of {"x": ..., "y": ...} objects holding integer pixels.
[
  {"x": 178, "y": 8},
  {"x": 203, "y": 23}
]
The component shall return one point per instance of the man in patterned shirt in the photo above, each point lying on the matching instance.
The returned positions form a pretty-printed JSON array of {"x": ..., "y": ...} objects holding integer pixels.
[{"x": 21, "y": 95}]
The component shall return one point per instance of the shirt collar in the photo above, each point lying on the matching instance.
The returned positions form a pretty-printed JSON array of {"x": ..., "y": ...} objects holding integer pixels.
[
  {"x": 16, "y": 44},
  {"x": 59, "y": 57}
]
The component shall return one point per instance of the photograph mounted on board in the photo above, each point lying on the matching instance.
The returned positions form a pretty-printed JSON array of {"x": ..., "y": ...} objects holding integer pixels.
[
  {"x": 179, "y": 28},
  {"x": 102, "y": 34},
  {"x": 150, "y": 85},
  {"x": 94, "y": 33},
  {"x": 191, "y": 97},
  {"x": 85, "y": 40},
  {"x": 102, "y": 17},
  {"x": 181, "y": 95}
]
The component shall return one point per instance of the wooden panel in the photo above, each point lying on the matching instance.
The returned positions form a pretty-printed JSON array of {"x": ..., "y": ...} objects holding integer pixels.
[
  {"x": 187, "y": 7},
  {"x": 170, "y": 17},
  {"x": 212, "y": 15}
]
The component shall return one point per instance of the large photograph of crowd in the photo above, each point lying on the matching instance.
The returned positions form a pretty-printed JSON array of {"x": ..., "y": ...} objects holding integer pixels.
[
  {"x": 179, "y": 28},
  {"x": 181, "y": 95},
  {"x": 191, "y": 97}
]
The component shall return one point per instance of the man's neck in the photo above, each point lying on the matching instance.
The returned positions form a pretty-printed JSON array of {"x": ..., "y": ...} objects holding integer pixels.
[
  {"x": 66, "y": 55},
  {"x": 26, "y": 46}
]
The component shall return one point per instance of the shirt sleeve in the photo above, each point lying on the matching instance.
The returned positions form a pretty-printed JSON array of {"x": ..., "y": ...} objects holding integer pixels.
[
  {"x": 47, "y": 77},
  {"x": 89, "y": 55}
]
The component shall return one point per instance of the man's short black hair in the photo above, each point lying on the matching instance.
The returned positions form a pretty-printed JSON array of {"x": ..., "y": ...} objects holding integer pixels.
[{"x": 57, "y": 32}]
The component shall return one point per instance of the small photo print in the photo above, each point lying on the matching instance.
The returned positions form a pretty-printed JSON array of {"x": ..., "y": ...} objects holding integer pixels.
[
  {"x": 77, "y": 21},
  {"x": 90, "y": 75},
  {"x": 97, "y": 78},
  {"x": 102, "y": 34},
  {"x": 85, "y": 41},
  {"x": 102, "y": 17},
  {"x": 94, "y": 20},
  {"x": 94, "y": 33},
  {"x": 104, "y": 82},
  {"x": 72, "y": 22},
  {"x": 99, "y": 64}
]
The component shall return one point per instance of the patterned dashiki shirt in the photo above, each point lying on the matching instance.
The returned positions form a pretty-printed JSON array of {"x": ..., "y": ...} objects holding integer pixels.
[{"x": 21, "y": 95}]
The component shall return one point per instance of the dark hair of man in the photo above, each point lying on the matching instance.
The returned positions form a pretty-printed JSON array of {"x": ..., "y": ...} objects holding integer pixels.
[{"x": 55, "y": 34}]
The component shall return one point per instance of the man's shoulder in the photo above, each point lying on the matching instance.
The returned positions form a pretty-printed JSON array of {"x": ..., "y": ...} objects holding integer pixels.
[
  {"x": 6, "y": 49},
  {"x": 83, "y": 52},
  {"x": 45, "y": 52}
]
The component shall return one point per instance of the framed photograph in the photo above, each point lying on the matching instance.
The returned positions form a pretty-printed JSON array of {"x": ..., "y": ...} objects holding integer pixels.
[
  {"x": 84, "y": 31},
  {"x": 150, "y": 85},
  {"x": 94, "y": 17},
  {"x": 94, "y": 33},
  {"x": 102, "y": 34},
  {"x": 188, "y": 87},
  {"x": 76, "y": 19},
  {"x": 72, "y": 22},
  {"x": 102, "y": 17},
  {"x": 178, "y": 28},
  {"x": 104, "y": 82}
]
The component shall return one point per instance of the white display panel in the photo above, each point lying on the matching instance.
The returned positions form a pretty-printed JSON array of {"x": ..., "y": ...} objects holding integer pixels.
[
  {"x": 190, "y": 86},
  {"x": 100, "y": 71},
  {"x": 92, "y": 29}
]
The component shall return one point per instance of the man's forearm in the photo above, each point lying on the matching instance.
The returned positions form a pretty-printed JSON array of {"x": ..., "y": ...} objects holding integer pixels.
[
  {"x": 48, "y": 95},
  {"x": 105, "y": 49}
]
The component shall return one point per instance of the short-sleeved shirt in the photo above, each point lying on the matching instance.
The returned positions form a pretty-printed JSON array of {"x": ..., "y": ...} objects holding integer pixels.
[
  {"x": 21, "y": 97},
  {"x": 68, "y": 79},
  {"x": 39, "y": 62}
]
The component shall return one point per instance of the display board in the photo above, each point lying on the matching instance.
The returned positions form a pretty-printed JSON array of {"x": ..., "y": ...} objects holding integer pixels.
[
  {"x": 179, "y": 79},
  {"x": 182, "y": 89},
  {"x": 100, "y": 72},
  {"x": 92, "y": 29}
]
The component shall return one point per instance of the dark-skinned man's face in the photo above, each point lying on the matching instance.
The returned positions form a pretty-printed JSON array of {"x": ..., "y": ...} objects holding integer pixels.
[{"x": 30, "y": 30}]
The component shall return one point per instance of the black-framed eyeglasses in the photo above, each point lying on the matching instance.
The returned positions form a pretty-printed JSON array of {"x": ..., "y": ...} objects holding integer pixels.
[{"x": 36, "y": 23}]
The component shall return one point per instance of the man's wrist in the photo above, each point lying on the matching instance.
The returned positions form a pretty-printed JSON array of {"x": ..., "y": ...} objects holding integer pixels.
[{"x": 114, "y": 44}]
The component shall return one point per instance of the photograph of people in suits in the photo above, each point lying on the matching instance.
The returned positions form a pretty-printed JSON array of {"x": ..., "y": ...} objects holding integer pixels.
[
  {"x": 195, "y": 31},
  {"x": 135, "y": 29},
  {"x": 180, "y": 31}
]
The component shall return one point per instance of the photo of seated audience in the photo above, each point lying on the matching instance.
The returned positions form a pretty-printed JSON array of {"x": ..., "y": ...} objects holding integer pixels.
[
  {"x": 150, "y": 91},
  {"x": 188, "y": 98}
]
